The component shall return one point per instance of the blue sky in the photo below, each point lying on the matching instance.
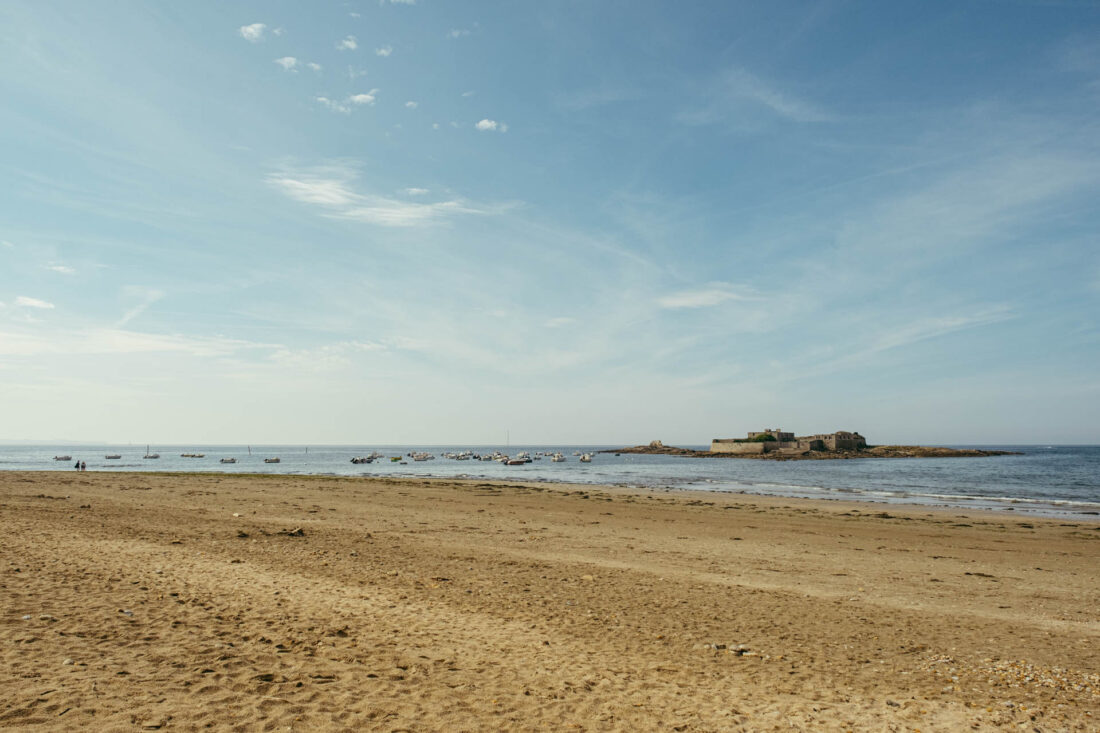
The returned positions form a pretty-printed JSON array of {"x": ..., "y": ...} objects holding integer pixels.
[{"x": 384, "y": 222}]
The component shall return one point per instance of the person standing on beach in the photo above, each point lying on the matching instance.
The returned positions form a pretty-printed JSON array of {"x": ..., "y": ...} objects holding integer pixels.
[
  {"x": 77, "y": 466},
  {"x": 83, "y": 466}
]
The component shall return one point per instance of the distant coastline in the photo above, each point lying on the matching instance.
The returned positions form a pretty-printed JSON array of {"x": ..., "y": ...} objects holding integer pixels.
[{"x": 656, "y": 447}]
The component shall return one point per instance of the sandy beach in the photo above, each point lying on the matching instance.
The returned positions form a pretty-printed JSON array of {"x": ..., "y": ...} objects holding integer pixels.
[{"x": 184, "y": 602}]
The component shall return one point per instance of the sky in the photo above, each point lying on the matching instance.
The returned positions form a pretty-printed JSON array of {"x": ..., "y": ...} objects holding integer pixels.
[{"x": 417, "y": 221}]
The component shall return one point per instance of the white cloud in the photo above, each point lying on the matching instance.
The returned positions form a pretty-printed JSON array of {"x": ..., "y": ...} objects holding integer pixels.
[
  {"x": 435, "y": 125},
  {"x": 315, "y": 66},
  {"x": 417, "y": 191},
  {"x": 458, "y": 33},
  {"x": 63, "y": 269},
  {"x": 334, "y": 105},
  {"x": 288, "y": 62},
  {"x": 384, "y": 51},
  {"x": 24, "y": 302},
  {"x": 253, "y": 33},
  {"x": 348, "y": 102},
  {"x": 331, "y": 189},
  {"x": 355, "y": 15},
  {"x": 367, "y": 98},
  {"x": 468, "y": 94},
  {"x": 491, "y": 126},
  {"x": 402, "y": 2},
  {"x": 6, "y": 243},
  {"x": 278, "y": 31},
  {"x": 707, "y": 296},
  {"x": 350, "y": 43},
  {"x": 411, "y": 105},
  {"x": 559, "y": 322}
]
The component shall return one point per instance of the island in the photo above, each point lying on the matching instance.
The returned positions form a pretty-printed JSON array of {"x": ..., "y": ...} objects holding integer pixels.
[{"x": 777, "y": 445}]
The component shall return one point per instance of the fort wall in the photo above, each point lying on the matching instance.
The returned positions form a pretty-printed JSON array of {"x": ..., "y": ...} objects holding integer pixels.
[{"x": 787, "y": 443}]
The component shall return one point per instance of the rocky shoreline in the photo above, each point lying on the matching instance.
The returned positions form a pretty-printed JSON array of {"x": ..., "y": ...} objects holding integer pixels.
[{"x": 878, "y": 451}]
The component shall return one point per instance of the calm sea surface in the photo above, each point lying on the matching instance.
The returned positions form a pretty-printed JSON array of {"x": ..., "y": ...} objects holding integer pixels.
[{"x": 1048, "y": 480}]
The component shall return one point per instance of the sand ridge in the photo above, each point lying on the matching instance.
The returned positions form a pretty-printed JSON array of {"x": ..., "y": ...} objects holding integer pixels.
[{"x": 162, "y": 601}]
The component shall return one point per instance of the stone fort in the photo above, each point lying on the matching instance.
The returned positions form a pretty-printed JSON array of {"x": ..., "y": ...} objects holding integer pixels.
[{"x": 777, "y": 441}]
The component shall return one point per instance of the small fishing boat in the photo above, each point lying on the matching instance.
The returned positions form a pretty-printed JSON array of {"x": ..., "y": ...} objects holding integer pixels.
[
  {"x": 224, "y": 460},
  {"x": 150, "y": 455},
  {"x": 557, "y": 458},
  {"x": 586, "y": 458},
  {"x": 113, "y": 456},
  {"x": 362, "y": 459},
  {"x": 516, "y": 462},
  {"x": 272, "y": 460},
  {"x": 62, "y": 458}
]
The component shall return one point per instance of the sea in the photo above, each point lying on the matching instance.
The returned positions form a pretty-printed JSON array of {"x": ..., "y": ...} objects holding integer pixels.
[{"x": 1045, "y": 480}]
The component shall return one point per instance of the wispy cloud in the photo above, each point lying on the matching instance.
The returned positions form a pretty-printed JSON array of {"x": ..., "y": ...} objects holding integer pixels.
[
  {"x": 349, "y": 43},
  {"x": 560, "y": 321},
  {"x": 63, "y": 269},
  {"x": 329, "y": 357},
  {"x": 401, "y": 2},
  {"x": 349, "y": 102},
  {"x": 708, "y": 296},
  {"x": 488, "y": 125},
  {"x": 411, "y": 105},
  {"x": 384, "y": 51},
  {"x": 458, "y": 33},
  {"x": 6, "y": 243},
  {"x": 331, "y": 189},
  {"x": 417, "y": 191},
  {"x": 23, "y": 301},
  {"x": 288, "y": 62},
  {"x": 589, "y": 98},
  {"x": 738, "y": 92},
  {"x": 145, "y": 296},
  {"x": 118, "y": 341},
  {"x": 468, "y": 94},
  {"x": 253, "y": 33},
  {"x": 314, "y": 66}
]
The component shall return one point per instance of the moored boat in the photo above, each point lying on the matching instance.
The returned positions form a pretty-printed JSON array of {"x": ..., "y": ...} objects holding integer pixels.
[
  {"x": 113, "y": 456},
  {"x": 228, "y": 460},
  {"x": 62, "y": 458},
  {"x": 272, "y": 460}
]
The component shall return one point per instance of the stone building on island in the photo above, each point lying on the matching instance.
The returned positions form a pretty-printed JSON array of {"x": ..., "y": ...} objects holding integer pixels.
[{"x": 777, "y": 441}]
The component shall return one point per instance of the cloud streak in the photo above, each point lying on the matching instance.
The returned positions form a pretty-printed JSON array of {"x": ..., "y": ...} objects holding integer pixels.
[
  {"x": 24, "y": 301},
  {"x": 708, "y": 296},
  {"x": 330, "y": 189}
]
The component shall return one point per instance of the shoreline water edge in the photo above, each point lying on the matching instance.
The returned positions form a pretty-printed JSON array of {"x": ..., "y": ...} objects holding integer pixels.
[{"x": 1034, "y": 480}]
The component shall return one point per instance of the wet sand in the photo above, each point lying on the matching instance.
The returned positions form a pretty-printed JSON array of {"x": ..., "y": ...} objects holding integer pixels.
[{"x": 183, "y": 602}]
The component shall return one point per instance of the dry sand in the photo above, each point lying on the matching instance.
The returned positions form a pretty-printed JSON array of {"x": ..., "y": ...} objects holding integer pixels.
[{"x": 180, "y": 602}]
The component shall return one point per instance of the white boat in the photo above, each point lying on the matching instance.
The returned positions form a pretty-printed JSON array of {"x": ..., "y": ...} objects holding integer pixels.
[
  {"x": 113, "y": 456},
  {"x": 362, "y": 459},
  {"x": 586, "y": 458},
  {"x": 272, "y": 460},
  {"x": 150, "y": 455},
  {"x": 62, "y": 458},
  {"x": 224, "y": 460},
  {"x": 558, "y": 458},
  {"x": 516, "y": 462}
]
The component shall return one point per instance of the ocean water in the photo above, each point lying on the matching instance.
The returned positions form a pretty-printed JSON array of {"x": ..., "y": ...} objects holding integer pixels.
[{"x": 1044, "y": 480}]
